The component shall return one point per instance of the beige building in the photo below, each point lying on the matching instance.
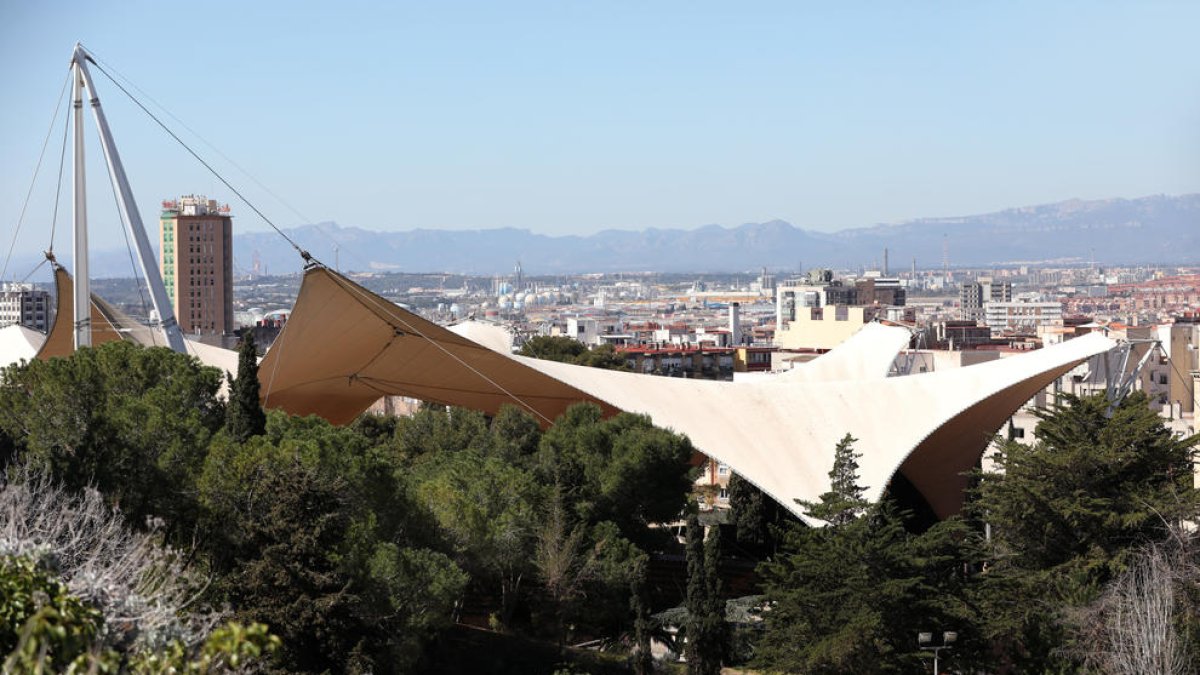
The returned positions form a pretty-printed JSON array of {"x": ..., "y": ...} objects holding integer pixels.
[
  {"x": 823, "y": 328},
  {"x": 196, "y": 240}
]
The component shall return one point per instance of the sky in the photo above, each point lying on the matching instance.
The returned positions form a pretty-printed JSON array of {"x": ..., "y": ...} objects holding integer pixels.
[{"x": 570, "y": 117}]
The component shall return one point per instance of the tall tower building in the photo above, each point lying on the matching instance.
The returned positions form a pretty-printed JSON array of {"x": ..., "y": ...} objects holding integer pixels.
[{"x": 197, "y": 263}]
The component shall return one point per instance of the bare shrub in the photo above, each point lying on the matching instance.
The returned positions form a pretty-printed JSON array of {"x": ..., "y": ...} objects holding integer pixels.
[
  {"x": 140, "y": 586},
  {"x": 1133, "y": 627}
]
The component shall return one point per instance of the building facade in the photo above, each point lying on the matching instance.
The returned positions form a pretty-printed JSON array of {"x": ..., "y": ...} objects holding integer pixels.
[
  {"x": 196, "y": 239},
  {"x": 24, "y": 305},
  {"x": 1004, "y": 317},
  {"x": 974, "y": 295}
]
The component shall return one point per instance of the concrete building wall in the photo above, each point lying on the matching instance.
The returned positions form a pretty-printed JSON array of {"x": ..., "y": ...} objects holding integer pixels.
[
  {"x": 823, "y": 327},
  {"x": 196, "y": 240},
  {"x": 24, "y": 305}
]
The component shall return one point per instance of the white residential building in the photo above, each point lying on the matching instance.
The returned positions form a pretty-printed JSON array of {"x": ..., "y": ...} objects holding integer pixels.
[{"x": 24, "y": 305}]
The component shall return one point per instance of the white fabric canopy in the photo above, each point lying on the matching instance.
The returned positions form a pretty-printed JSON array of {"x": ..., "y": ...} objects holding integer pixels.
[{"x": 344, "y": 347}]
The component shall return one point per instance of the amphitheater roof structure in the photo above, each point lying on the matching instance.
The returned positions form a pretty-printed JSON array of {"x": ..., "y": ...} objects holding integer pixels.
[{"x": 344, "y": 347}]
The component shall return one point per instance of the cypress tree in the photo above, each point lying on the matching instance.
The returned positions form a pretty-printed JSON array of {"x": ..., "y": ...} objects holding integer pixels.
[
  {"x": 244, "y": 417},
  {"x": 715, "y": 629},
  {"x": 706, "y": 611},
  {"x": 697, "y": 600},
  {"x": 643, "y": 660}
]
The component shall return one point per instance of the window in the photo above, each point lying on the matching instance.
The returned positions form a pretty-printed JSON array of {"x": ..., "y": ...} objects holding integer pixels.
[
  {"x": 1018, "y": 432},
  {"x": 722, "y": 469},
  {"x": 723, "y": 495}
]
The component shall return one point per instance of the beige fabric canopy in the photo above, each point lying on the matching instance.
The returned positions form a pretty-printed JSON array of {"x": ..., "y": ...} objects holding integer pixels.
[
  {"x": 60, "y": 341},
  {"x": 110, "y": 324},
  {"x": 344, "y": 347}
]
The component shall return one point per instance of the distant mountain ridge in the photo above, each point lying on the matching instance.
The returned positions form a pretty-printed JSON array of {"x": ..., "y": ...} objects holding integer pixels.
[{"x": 1155, "y": 229}]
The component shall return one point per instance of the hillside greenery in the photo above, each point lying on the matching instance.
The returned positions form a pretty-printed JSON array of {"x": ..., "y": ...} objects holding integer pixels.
[
  {"x": 357, "y": 547},
  {"x": 149, "y": 526}
]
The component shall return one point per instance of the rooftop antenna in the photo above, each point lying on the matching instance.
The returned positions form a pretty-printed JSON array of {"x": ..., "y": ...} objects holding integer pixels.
[{"x": 125, "y": 205}]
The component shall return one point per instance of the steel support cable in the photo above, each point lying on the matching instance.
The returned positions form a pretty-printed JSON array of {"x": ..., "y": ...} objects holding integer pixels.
[
  {"x": 133, "y": 267},
  {"x": 35, "y": 269},
  {"x": 353, "y": 289},
  {"x": 227, "y": 158},
  {"x": 36, "y": 169},
  {"x": 277, "y": 345},
  {"x": 303, "y": 254},
  {"x": 62, "y": 161}
]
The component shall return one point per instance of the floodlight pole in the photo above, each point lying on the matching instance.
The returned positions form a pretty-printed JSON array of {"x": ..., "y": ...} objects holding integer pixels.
[
  {"x": 125, "y": 204},
  {"x": 925, "y": 641}
]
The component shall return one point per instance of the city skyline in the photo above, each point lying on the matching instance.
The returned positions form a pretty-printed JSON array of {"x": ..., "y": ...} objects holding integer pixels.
[{"x": 570, "y": 119}]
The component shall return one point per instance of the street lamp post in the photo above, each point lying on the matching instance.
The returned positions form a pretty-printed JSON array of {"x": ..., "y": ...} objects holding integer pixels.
[{"x": 925, "y": 641}]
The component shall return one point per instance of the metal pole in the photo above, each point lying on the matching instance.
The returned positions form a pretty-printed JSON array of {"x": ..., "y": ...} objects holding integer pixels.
[
  {"x": 130, "y": 215},
  {"x": 83, "y": 301}
]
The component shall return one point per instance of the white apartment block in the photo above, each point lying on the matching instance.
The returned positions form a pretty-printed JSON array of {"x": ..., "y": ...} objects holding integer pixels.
[
  {"x": 24, "y": 305},
  {"x": 1021, "y": 316}
]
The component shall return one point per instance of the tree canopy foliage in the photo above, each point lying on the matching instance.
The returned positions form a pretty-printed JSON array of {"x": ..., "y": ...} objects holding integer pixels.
[
  {"x": 357, "y": 546},
  {"x": 1067, "y": 517},
  {"x": 570, "y": 350},
  {"x": 245, "y": 417}
]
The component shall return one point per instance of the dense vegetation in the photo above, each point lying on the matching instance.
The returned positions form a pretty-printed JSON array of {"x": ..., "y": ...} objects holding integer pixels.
[
  {"x": 570, "y": 350},
  {"x": 147, "y": 525},
  {"x": 357, "y": 546},
  {"x": 1070, "y": 518}
]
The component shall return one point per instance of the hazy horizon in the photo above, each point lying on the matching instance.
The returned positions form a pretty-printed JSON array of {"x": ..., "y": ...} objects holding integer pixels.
[{"x": 564, "y": 118}]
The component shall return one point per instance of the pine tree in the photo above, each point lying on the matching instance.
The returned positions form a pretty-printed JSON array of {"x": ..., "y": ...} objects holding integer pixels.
[
  {"x": 756, "y": 517},
  {"x": 844, "y": 501},
  {"x": 849, "y": 597},
  {"x": 244, "y": 417},
  {"x": 1069, "y": 513}
]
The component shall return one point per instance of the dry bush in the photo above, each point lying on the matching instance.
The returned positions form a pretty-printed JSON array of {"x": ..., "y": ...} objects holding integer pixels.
[
  {"x": 140, "y": 586},
  {"x": 1134, "y": 627}
]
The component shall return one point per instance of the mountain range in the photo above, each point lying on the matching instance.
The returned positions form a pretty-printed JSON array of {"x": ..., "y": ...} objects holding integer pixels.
[{"x": 1156, "y": 229}]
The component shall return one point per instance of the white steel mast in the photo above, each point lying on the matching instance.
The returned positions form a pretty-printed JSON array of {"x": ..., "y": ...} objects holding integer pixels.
[
  {"x": 83, "y": 299},
  {"x": 125, "y": 204}
]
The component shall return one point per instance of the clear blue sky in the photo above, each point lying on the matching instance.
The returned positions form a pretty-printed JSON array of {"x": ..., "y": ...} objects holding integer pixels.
[{"x": 571, "y": 117}]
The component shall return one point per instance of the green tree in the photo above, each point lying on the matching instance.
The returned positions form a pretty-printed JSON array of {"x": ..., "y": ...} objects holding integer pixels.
[
  {"x": 707, "y": 634},
  {"x": 134, "y": 422},
  {"x": 844, "y": 501},
  {"x": 623, "y": 469},
  {"x": 850, "y": 597},
  {"x": 488, "y": 510},
  {"x": 570, "y": 350},
  {"x": 515, "y": 435},
  {"x": 639, "y": 604},
  {"x": 38, "y": 614},
  {"x": 244, "y": 414},
  {"x": 287, "y": 575},
  {"x": 756, "y": 517},
  {"x": 332, "y": 506},
  {"x": 1069, "y": 511}
]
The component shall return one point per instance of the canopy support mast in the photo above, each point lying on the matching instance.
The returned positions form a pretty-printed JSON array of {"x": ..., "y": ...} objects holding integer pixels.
[
  {"x": 125, "y": 204},
  {"x": 83, "y": 303}
]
